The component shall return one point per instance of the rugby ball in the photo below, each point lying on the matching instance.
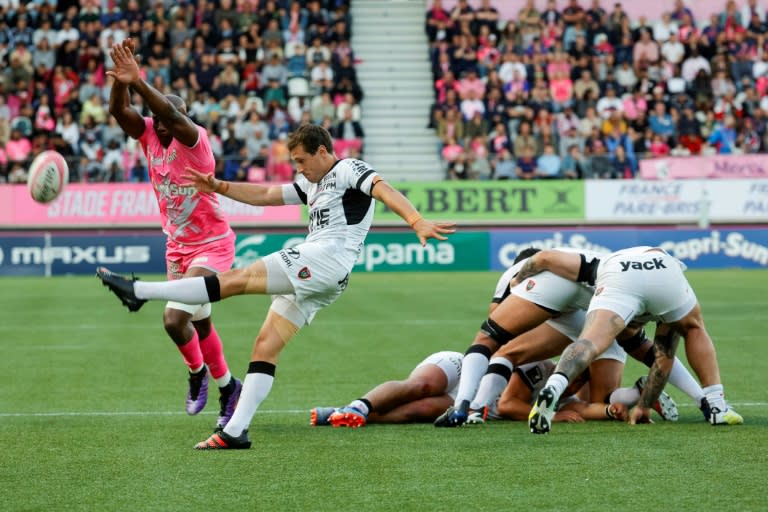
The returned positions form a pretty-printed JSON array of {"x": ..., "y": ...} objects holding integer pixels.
[{"x": 48, "y": 175}]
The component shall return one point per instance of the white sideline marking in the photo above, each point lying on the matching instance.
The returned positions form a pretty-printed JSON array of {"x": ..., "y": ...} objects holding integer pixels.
[{"x": 267, "y": 411}]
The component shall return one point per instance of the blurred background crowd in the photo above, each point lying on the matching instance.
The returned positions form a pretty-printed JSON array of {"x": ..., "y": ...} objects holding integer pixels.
[
  {"x": 585, "y": 91},
  {"x": 249, "y": 71},
  {"x": 559, "y": 90}
]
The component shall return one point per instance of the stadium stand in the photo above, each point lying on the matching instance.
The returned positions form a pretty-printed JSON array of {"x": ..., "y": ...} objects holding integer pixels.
[
  {"x": 249, "y": 70},
  {"x": 596, "y": 85},
  {"x": 581, "y": 89}
]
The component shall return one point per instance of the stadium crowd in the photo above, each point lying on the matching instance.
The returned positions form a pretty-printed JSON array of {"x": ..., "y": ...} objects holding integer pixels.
[
  {"x": 586, "y": 92},
  {"x": 250, "y": 71}
]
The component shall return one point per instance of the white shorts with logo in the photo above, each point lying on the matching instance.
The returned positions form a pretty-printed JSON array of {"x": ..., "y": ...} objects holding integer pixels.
[
  {"x": 554, "y": 292},
  {"x": 450, "y": 363},
  {"x": 571, "y": 324},
  {"x": 317, "y": 279},
  {"x": 650, "y": 285}
]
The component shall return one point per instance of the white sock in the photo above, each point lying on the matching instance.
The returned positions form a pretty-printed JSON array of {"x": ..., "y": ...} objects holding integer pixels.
[
  {"x": 360, "y": 406},
  {"x": 716, "y": 397},
  {"x": 491, "y": 385},
  {"x": 557, "y": 382},
  {"x": 682, "y": 379},
  {"x": 224, "y": 379},
  {"x": 627, "y": 396},
  {"x": 472, "y": 370},
  {"x": 256, "y": 387},
  {"x": 197, "y": 370},
  {"x": 190, "y": 290}
]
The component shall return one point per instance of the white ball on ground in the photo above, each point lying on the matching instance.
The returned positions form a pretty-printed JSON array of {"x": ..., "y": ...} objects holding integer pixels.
[{"x": 47, "y": 176}]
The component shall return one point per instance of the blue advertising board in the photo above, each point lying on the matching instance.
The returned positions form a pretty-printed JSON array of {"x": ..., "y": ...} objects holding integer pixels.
[
  {"x": 742, "y": 247},
  {"x": 53, "y": 254}
]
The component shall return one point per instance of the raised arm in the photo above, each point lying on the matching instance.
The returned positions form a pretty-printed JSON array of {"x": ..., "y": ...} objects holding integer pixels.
[
  {"x": 120, "y": 106},
  {"x": 126, "y": 71},
  {"x": 400, "y": 204},
  {"x": 175, "y": 121},
  {"x": 248, "y": 193}
]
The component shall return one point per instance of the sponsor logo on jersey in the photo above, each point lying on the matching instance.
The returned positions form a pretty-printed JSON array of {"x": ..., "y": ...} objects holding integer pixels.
[
  {"x": 328, "y": 182},
  {"x": 293, "y": 253},
  {"x": 344, "y": 282},
  {"x": 286, "y": 259},
  {"x": 599, "y": 291},
  {"x": 319, "y": 219},
  {"x": 529, "y": 285},
  {"x": 171, "y": 157},
  {"x": 654, "y": 264},
  {"x": 304, "y": 273}
]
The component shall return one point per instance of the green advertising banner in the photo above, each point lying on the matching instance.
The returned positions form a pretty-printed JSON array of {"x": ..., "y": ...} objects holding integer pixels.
[
  {"x": 387, "y": 251},
  {"x": 507, "y": 201}
]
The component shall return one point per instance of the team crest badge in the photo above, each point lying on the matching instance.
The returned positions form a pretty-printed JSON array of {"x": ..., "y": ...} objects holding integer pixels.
[
  {"x": 529, "y": 285},
  {"x": 599, "y": 291},
  {"x": 304, "y": 273}
]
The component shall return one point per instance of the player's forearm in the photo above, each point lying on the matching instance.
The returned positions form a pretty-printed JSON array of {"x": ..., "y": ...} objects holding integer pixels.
[
  {"x": 396, "y": 202},
  {"x": 514, "y": 409},
  {"x": 119, "y": 99},
  {"x": 561, "y": 263},
  {"x": 157, "y": 102},
  {"x": 249, "y": 193},
  {"x": 664, "y": 345}
]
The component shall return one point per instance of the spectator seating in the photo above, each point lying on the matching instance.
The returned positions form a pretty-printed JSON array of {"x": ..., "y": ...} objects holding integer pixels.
[{"x": 243, "y": 68}]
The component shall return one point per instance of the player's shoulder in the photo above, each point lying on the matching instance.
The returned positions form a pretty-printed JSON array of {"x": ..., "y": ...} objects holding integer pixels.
[{"x": 353, "y": 167}]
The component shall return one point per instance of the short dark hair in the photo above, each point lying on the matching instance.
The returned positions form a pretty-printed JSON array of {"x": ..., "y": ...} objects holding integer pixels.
[
  {"x": 526, "y": 253},
  {"x": 310, "y": 137}
]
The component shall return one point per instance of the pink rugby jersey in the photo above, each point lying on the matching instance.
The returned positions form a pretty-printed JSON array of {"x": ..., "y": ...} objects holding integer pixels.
[{"x": 188, "y": 217}]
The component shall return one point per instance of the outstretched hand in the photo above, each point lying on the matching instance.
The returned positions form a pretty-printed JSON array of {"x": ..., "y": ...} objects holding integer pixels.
[
  {"x": 427, "y": 229},
  {"x": 640, "y": 415},
  {"x": 126, "y": 68},
  {"x": 202, "y": 182}
]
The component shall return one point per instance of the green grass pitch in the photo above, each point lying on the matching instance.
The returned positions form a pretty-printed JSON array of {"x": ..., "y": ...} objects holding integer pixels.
[{"x": 91, "y": 412}]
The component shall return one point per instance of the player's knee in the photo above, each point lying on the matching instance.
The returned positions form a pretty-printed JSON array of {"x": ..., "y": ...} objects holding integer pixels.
[
  {"x": 421, "y": 388},
  {"x": 633, "y": 341},
  {"x": 175, "y": 322},
  {"x": 496, "y": 332}
]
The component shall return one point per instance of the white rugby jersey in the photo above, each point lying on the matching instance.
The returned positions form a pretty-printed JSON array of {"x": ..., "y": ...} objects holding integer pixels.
[{"x": 340, "y": 207}]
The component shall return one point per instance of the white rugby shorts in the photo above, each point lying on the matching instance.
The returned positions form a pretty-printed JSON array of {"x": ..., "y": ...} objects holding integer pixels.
[
  {"x": 571, "y": 324},
  {"x": 317, "y": 279},
  {"x": 554, "y": 292},
  {"x": 450, "y": 363},
  {"x": 650, "y": 285}
]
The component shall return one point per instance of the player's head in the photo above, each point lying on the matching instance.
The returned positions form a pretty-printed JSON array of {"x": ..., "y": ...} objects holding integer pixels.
[
  {"x": 179, "y": 104},
  {"x": 526, "y": 253},
  {"x": 311, "y": 149}
]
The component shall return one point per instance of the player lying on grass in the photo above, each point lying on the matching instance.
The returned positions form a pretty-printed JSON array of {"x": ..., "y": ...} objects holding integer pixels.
[
  {"x": 516, "y": 309},
  {"x": 432, "y": 386},
  {"x": 632, "y": 284},
  {"x": 303, "y": 279}
]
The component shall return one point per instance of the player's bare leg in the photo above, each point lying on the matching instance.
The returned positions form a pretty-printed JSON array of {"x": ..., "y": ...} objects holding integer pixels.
[
  {"x": 600, "y": 329},
  {"x": 394, "y": 401},
  {"x": 542, "y": 342},
  {"x": 272, "y": 338},
  {"x": 512, "y": 317},
  {"x": 703, "y": 359}
]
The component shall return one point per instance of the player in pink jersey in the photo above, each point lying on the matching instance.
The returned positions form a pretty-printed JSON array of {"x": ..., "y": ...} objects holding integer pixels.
[{"x": 200, "y": 241}]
